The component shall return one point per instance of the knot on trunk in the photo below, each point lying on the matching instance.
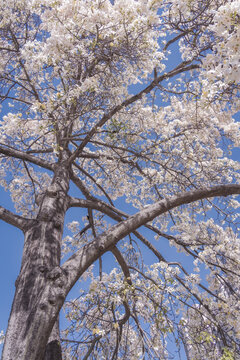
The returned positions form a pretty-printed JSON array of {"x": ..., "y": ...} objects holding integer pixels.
[
  {"x": 58, "y": 221},
  {"x": 43, "y": 268},
  {"x": 52, "y": 191},
  {"x": 56, "y": 296},
  {"x": 55, "y": 289},
  {"x": 58, "y": 275},
  {"x": 55, "y": 273}
]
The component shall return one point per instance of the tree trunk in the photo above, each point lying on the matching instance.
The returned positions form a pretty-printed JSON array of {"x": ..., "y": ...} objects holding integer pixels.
[{"x": 39, "y": 287}]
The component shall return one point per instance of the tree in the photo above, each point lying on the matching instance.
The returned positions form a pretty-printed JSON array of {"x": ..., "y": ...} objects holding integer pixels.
[{"x": 104, "y": 100}]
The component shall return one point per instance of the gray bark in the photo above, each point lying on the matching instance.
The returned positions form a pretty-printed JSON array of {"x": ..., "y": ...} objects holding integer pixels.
[{"x": 38, "y": 297}]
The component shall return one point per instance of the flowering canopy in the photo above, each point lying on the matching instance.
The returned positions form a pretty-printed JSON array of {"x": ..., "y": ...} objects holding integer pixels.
[{"x": 139, "y": 99}]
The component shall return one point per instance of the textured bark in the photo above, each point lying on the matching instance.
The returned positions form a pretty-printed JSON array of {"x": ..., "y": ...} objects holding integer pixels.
[
  {"x": 53, "y": 349},
  {"x": 38, "y": 297}
]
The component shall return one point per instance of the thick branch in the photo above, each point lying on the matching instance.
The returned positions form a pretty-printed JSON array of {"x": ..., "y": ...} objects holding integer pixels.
[
  {"x": 82, "y": 259},
  {"x": 13, "y": 219},
  {"x": 24, "y": 156},
  {"x": 95, "y": 204},
  {"x": 108, "y": 210}
]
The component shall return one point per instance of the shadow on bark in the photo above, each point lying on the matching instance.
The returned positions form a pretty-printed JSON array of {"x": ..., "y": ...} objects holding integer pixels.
[{"x": 53, "y": 351}]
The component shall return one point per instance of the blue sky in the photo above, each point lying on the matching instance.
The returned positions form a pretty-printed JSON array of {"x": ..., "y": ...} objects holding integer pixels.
[{"x": 10, "y": 261}]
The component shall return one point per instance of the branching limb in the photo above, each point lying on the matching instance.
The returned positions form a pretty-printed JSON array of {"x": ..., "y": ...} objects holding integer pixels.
[
  {"x": 77, "y": 181},
  {"x": 122, "y": 263},
  {"x": 26, "y": 157},
  {"x": 95, "y": 182},
  {"x": 184, "y": 66},
  {"x": 82, "y": 259},
  {"x": 91, "y": 223},
  {"x": 91, "y": 347},
  {"x": 96, "y": 204},
  {"x": 13, "y": 219}
]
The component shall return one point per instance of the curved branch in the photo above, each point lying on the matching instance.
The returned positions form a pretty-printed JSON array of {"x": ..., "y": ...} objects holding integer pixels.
[
  {"x": 95, "y": 204},
  {"x": 122, "y": 263},
  {"x": 83, "y": 258}
]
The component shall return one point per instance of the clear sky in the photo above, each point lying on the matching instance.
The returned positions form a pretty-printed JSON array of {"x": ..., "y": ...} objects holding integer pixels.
[{"x": 10, "y": 261}]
